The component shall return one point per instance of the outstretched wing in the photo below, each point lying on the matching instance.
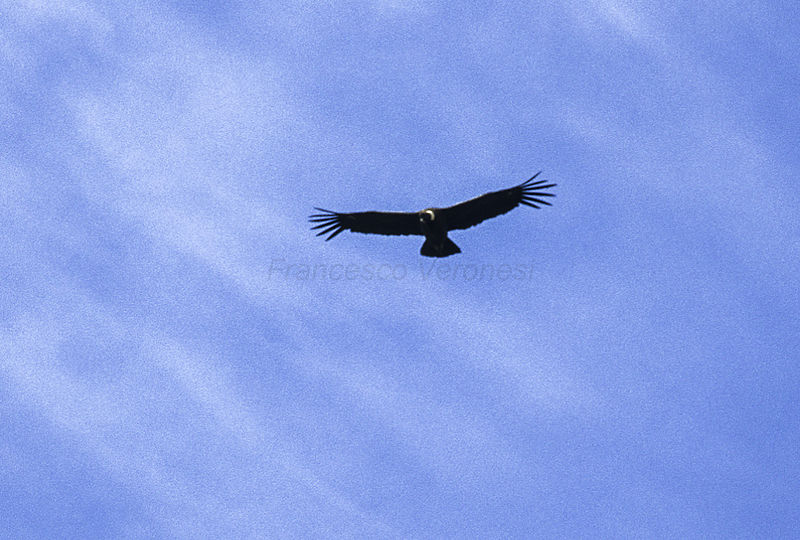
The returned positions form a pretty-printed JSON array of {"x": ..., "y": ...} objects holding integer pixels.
[
  {"x": 469, "y": 213},
  {"x": 365, "y": 222}
]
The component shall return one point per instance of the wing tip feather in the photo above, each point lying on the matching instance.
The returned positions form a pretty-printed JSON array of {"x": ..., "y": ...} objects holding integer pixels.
[{"x": 334, "y": 233}]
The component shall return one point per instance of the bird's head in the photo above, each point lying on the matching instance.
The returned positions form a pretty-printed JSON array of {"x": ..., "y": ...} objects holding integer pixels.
[{"x": 427, "y": 216}]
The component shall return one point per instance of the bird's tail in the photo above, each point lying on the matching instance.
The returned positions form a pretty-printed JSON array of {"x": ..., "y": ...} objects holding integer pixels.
[{"x": 445, "y": 249}]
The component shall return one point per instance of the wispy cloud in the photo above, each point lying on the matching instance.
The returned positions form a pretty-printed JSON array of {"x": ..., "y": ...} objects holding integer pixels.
[{"x": 138, "y": 422}]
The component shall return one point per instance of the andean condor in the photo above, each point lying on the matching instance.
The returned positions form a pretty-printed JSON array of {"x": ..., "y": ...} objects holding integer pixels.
[{"x": 434, "y": 223}]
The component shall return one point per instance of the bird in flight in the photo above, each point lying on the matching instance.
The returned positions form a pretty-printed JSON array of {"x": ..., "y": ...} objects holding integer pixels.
[{"x": 435, "y": 223}]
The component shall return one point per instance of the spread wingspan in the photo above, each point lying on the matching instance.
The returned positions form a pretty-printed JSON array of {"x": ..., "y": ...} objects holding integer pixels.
[
  {"x": 469, "y": 213},
  {"x": 394, "y": 223}
]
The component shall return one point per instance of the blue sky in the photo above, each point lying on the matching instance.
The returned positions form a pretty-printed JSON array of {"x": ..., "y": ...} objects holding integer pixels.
[{"x": 181, "y": 357}]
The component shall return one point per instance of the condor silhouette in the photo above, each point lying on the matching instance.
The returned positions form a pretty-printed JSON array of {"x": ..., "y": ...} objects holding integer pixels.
[{"x": 434, "y": 223}]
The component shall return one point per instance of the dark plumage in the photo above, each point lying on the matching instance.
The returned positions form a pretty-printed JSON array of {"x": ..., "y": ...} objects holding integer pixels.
[{"x": 434, "y": 223}]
